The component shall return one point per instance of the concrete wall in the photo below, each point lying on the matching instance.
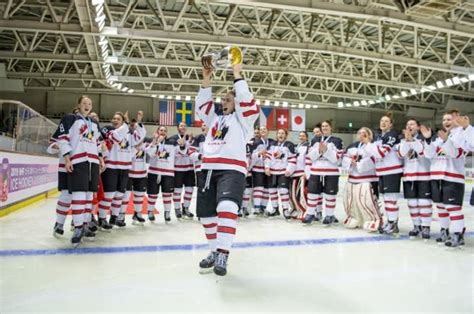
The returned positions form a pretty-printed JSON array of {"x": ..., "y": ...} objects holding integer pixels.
[{"x": 56, "y": 103}]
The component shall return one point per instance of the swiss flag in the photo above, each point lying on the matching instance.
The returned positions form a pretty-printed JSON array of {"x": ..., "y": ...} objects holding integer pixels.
[
  {"x": 282, "y": 118},
  {"x": 298, "y": 120}
]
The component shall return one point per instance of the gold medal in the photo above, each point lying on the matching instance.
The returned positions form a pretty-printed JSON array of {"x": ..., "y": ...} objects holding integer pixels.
[
  {"x": 218, "y": 133},
  {"x": 89, "y": 136}
]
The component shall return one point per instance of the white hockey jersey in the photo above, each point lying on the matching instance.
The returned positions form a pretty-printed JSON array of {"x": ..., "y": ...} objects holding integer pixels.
[
  {"x": 139, "y": 166},
  {"x": 163, "y": 156},
  {"x": 258, "y": 158},
  {"x": 416, "y": 167},
  {"x": 364, "y": 169},
  {"x": 195, "y": 151},
  {"x": 182, "y": 161},
  {"x": 447, "y": 161},
  {"x": 301, "y": 150},
  {"x": 384, "y": 150},
  {"x": 79, "y": 137},
  {"x": 281, "y": 157},
  {"x": 120, "y": 142},
  {"x": 225, "y": 144},
  {"x": 326, "y": 164}
]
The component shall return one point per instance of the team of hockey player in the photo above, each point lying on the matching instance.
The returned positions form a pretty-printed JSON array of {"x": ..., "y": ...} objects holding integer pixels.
[{"x": 429, "y": 167}]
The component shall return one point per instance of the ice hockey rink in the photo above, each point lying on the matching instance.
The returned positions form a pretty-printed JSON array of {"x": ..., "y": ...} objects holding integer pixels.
[{"x": 275, "y": 266}]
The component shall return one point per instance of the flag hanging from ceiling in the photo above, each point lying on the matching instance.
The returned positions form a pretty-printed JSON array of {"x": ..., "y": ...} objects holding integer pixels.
[
  {"x": 184, "y": 112},
  {"x": 282, "y": 118},
  {"x": 267, "y": 117},
  {"x": 298, "y": 120},
  {"x": 167, "y": 112}
]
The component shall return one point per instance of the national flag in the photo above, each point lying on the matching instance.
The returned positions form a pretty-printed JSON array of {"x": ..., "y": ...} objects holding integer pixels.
[
  {"x": 184, "y": 112},
  {"x": 167, "y": 112},
  {"x": 267, "y": 117},
  {"x": 298, "y": 120},
  {"x": 282, "y": 118}
]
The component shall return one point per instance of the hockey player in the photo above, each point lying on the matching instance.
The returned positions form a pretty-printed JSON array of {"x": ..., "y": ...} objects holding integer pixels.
[
  {"x": 118, "y": 161},
  {"x": 161, "y": 172},
  {"x": 224, "y": 165},
  {"x": 137, "y": 175},
  {"x": 360, "y": 202},
  {"x": 280, "y": 163},
  {"x": 323, "y": 175},
  {"x": 465, "y": 138},
  {"x": 78, "y": 139},
  {"x": 416, "y": 179},
  {"x": 184, "y": 175},
  {"x": 447, "y": 175},
  {"x": 261, "y": 182},
  {"x": 388, "y": 167},
  {"x": 243, "y": 211},
  {"x": 64, "y": 200},
  {"x": 299, "y": 183}
]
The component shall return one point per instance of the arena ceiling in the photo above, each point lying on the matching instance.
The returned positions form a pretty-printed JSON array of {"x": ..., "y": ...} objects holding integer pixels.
[{"x": 300, "y": 51}]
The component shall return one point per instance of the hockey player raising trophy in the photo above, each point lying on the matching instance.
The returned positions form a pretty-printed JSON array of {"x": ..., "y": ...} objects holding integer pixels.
[{"x": 224, "y": 164}]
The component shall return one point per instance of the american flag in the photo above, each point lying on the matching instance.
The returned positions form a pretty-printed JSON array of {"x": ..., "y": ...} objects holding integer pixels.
[{"x": 167, "y": 112}]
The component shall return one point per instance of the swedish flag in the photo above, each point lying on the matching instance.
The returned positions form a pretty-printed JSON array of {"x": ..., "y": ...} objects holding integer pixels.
[{"x": 184, "y": 112}]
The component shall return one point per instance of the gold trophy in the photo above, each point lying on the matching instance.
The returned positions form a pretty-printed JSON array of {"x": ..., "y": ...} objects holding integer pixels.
[{"x": 224, "y": 59}]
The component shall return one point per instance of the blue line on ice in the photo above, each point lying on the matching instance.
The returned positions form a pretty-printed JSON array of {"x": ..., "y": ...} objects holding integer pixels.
[{"x": 191, "y": 247}]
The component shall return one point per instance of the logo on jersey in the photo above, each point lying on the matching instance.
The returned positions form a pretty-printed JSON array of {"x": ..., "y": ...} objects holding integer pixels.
[
  {"x": 219, "y": 134},
  {"x": 278, "y": 155},
  {"x": 162, "y": 154},
  {"x": 83, "y": 131},
  {"x": 124, "y": 144},
  {"x": 140, "y": 154},
  {"x": 412, "y": 154}
]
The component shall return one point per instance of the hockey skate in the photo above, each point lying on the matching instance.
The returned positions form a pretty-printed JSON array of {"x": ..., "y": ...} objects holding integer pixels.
[
  {"x": 167, "y": 216},
  {"x": 309, "y": 219},
  {"x": 138, "y": 220},
  {"x": 329, "y": 220},
  {"x": 120, "y": 223},
  {"x": 104, "y": 225},
  {"x": 286, "y": 214},
  {"x": 207, "y": 264},
  {"x": 319, "y": 216},
  {"x": 187, "y": 213},
  {"x": 77, "y": 236},
  {"x": 415, "y": 233},
  {"x": 245, "y": 212},
  {"x": 443, "y": 236},
  {"x": 151, "y": 216},
  {"x": 455, "y": 240},
  {"x": 220, "y": 264},
  {"x": 178, "y": 213},
  {"x": 390, "y": 228},
  {"x": 239, "y": 213},
  {"x": 88, "y": 235},
  {"x": 425, "y": 233},
  {"x": 92, "y": 227},
  {"x": 275, "y": 213},
  {"x": 113, "y": 220},
  {"x": 58, "y": 230}
]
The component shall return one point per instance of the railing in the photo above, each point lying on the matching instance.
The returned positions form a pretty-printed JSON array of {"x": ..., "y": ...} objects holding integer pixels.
[{"x": 22, "y": 129}]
